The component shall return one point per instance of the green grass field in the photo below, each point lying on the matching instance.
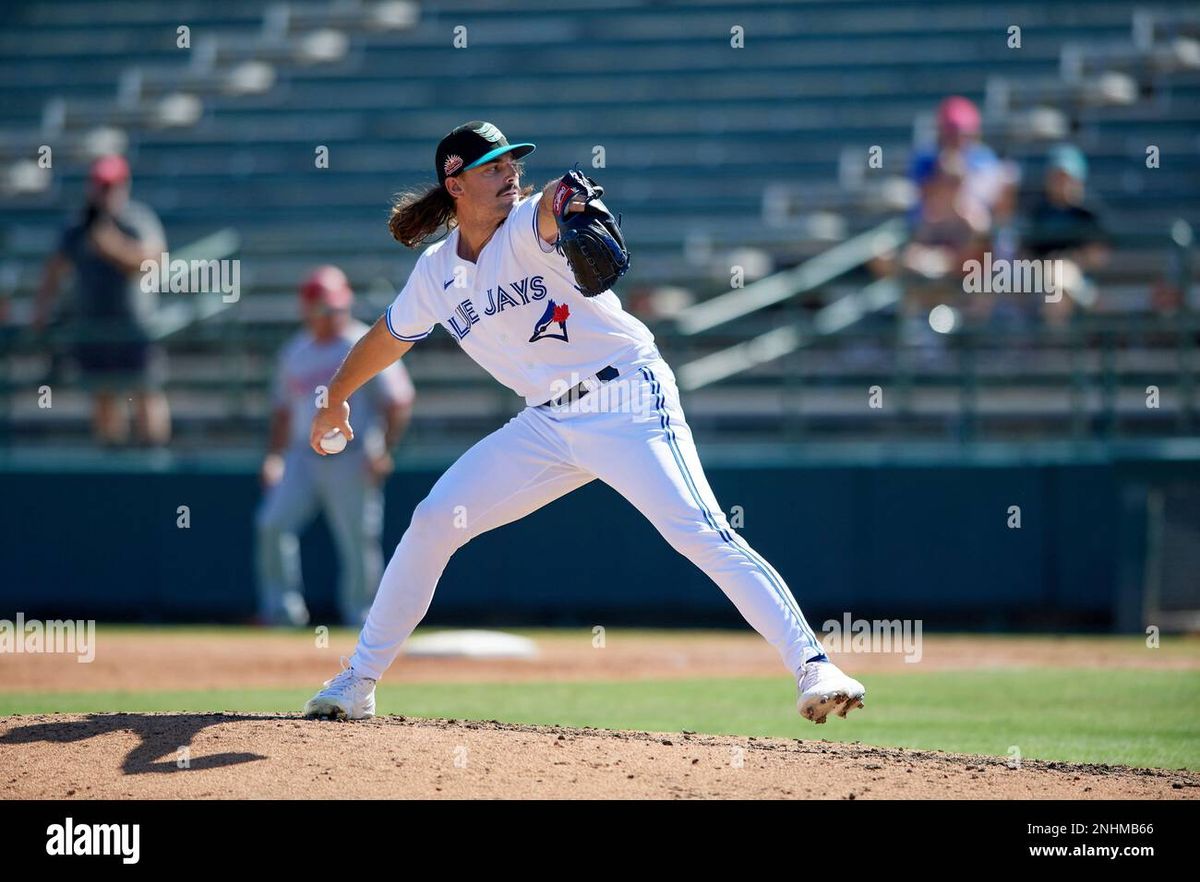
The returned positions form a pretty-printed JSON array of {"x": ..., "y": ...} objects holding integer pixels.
[{"x": 1120, "y": 716}]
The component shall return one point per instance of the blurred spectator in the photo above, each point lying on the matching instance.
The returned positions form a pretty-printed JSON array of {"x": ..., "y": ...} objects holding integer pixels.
[
  {"x": 109, "y": 317},
  {"x": 951, "y": 227},
  {"x": 989, "y": 181},
  {"x": 967, "y": 199},
  {"x": 347, "y": 485},
  {"x": 1168, "y": 293},
  {"x": 652, "y": 303},
  {"x": 1166, "y": 297},
  {"x": 1064, "y": 225}
]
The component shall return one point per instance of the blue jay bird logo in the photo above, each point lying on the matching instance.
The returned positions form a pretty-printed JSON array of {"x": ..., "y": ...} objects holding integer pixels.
[{"x": 555, "y": 314}]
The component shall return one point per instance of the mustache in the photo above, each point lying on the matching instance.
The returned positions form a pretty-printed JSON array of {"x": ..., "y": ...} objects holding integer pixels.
[{"x": 510, "y": 189}]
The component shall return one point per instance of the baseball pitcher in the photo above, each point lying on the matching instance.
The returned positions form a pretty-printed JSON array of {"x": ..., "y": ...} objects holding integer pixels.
[{"x": 523, "y": 283}]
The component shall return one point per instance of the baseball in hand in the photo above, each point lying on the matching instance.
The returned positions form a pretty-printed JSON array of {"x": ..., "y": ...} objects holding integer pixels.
[{"x": 333, "y": 441}]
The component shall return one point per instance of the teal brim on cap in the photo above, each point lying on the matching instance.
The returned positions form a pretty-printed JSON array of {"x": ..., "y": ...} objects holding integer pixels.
[
  {"x": 500, "y": 151},
  {"x": 1070, "y": 159}
]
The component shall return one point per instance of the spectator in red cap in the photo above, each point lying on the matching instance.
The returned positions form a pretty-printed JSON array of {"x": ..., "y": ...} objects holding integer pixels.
[
  {"x": 348, "y": 487},
  {"x": 110, "y": 316}
]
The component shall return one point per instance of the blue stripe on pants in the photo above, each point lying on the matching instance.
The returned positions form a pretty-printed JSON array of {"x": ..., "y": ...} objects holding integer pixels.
[{"x": 780, "y": 589}]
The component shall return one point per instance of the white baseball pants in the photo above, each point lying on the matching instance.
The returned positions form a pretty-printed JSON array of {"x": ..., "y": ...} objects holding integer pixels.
[{"x": 631, "y": 434}]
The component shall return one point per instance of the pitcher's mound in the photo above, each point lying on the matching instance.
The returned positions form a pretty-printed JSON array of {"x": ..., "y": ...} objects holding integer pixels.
[{"x": 230, "y": 755}]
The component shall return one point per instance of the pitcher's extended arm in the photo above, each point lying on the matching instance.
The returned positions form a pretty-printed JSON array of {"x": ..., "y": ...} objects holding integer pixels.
[{"x": 374, "y": 351}]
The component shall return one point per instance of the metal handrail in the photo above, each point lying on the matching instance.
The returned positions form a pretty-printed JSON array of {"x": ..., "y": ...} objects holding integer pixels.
[
  {"x": 820, "y": 270},
  {"x": 785, "y": 340}
]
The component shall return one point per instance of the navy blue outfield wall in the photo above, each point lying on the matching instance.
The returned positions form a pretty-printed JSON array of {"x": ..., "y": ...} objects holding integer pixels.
[{"x": 875, "y": 535}]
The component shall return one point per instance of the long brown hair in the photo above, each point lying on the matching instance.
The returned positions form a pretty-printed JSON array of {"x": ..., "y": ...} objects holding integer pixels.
[{"x": 419, "y": 214}]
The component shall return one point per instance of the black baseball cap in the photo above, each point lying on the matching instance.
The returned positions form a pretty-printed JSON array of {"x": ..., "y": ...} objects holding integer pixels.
[{"x": 472, "y": 144}]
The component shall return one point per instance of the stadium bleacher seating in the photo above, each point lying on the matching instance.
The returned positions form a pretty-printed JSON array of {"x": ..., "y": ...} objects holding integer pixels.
[{"x": 221, "y": 136}]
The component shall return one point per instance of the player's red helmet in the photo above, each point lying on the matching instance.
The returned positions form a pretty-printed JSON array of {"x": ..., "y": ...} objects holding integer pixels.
[{"x": 327, "y": 285}]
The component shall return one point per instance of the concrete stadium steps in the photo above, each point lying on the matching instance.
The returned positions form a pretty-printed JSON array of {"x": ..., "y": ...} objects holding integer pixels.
[
  {"x": 126, "y": 14},
  {"x": 246, "y": 363},
  {"x": 317, "y": 88},
  {"x": 330, "y": 88},
  {"x": 717, "y": 126},
  {"x": 459, "y": 418},
  {"x": 603, "y": 21},
  {"x": 210, "y": 151},
  {"x": 659, "y": 193},
  {"x": 1014, "y": 402}
]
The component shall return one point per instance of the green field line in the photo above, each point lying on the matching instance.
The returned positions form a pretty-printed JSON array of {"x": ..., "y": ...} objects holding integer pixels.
[{"x": 1126, "y": 717}]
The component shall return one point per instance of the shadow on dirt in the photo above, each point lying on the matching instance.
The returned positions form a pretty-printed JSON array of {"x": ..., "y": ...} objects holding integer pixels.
[{"x": 165, "y": 744}]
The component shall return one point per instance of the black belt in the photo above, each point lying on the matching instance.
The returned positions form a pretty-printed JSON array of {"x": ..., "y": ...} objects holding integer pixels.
[{"x": 576, "y": 392}]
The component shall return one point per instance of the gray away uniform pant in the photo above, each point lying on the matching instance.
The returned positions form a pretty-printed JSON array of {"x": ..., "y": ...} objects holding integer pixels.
[{"x": 353, "y": 506}]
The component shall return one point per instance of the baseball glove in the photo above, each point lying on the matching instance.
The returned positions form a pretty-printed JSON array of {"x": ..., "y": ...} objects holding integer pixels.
[{"x": 590, "y": 239}]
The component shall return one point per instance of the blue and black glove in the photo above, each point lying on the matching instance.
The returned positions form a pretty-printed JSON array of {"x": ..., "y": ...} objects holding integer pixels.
[{"x": 589, "y": 238}]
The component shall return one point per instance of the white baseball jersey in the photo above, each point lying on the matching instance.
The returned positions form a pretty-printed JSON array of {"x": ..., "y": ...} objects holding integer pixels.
[{"x": 516, "y": 311}]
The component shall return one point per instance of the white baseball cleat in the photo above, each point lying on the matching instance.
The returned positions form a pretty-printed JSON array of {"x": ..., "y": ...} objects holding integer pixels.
[
  {"x": 346, "y": 697},
  {"x": 825, "y": 689}
]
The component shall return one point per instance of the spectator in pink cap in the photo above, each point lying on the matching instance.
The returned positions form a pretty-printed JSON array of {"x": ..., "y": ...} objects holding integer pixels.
[{"x": 989, "y": 181}]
